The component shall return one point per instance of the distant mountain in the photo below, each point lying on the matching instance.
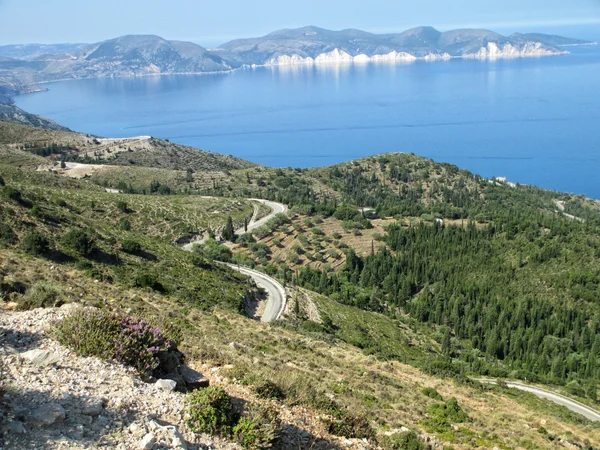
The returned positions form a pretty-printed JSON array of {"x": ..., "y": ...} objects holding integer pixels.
[
  {"x": 22, "y": 65},
  {"x": 124, "y": 56},
  {"x": 312, "y": 44},
  {"x": 34, "y": 51},
  {"x": 557, "y": 41}
]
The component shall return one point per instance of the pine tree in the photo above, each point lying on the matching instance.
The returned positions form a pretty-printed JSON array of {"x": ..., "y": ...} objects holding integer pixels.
[{"x": 229, "y": 232}]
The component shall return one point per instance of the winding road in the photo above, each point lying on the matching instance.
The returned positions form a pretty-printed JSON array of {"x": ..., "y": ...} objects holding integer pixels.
[
  {"x": 571, "y": 404},
  {"x": 276, "y": 297}
]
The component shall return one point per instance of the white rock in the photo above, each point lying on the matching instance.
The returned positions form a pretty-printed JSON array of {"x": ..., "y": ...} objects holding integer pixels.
[
  {"x": 147, "y": 442},
  {"x": 166, "y": 385},
  {"x": 41, "y": 358}
]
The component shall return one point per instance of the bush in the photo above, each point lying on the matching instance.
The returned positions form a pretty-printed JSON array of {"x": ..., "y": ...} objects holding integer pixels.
[
  {"x": 432, "y": 393},
  {"x": 210, "y": 410},
  {"x": 36, "y": 243},
  {"x": 13, "y": 194},
  {"x": 122, "y": 206},
  {"x": 268, "y": 390},
  {"x": 402, "y": 441},
  {"x": 257, "y": 428},
  {"x": 443, "y": 415},
  {"x": 2, "y": 183},
  {"x": 108, "y": 335},
  {"x": 79, "y": 241},
  {"x": 131, "y": 246},
  {"x": 125, "y": 224},
  {"x": 350, "y": 425},
  {"x": 212, "y": 250},
  {"x": 148, "y": 280},
  {"x": 41, "y": 295},
  {"x": 7, "y": 235}
]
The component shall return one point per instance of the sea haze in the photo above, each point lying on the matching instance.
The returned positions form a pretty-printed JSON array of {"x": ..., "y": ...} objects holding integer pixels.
[{"x": 534, "y": 121}]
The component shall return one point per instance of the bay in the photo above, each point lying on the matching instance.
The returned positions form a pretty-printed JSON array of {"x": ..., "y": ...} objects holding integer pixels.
[{"x": 534, "y": 121}]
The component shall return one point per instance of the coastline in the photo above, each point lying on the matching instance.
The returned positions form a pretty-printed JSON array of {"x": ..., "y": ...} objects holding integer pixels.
[{"x": 335, "y": 57}]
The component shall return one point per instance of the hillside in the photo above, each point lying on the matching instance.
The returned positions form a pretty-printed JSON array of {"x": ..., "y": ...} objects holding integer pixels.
[
  {"x": 345, "y": 367},
  {"x": 402, "y": 233},
  {"x": 317, "y": 45},
  {"x": 143, "y": 151},
  {"x": 400, "y": 273}
]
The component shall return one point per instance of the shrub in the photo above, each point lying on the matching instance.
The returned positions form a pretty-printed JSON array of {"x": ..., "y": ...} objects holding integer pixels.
[
  {"x": 131, "y": 246},
  {"x": 350, "y": 425},
  {"x": 79, "y": 241},
  {"x": 13, "y": 194},
  {"x": 432, "y": 393},
  {"x": 109, "y": 335},
  {"x": 2, "y": 183},
  {"x": 7, "y": 235},
  {"x": 122, "y": 206},
  {"x": 268, "y": 390},
  {"x": 257, "y": 428},
  {"x": 443, "y": 415},
  {"x": 36, "y": 243},
  {"x": 210, "y": 410},
  {"x": 125, "y": 224},
  {"x": 148, "y": 280},
  {"x": 575, "y": 388},
  {"x": 402, "y": 441},
  {"x": 41, "y": 295}
]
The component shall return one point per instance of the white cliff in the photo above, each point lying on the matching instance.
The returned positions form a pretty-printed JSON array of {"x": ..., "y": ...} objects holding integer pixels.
[
  {"x": 490, "y": 52},
  {"x": 509, "y": 51}
]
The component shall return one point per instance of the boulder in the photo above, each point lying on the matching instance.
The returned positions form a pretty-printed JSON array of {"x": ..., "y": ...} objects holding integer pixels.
[
  {"x": 41, "y": 358},
  {"x": 48, "y": 414},
  {"x": 192, "y": 378},
  {"x": 147, "y": 442},
  {"x": 188, "y": 378},
  {"x": 93, "y": 409},
  {"x": 166, "y": 385}
]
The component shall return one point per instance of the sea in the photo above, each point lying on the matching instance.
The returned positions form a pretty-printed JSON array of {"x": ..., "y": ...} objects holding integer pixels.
[{"x": 534, "y": 120}]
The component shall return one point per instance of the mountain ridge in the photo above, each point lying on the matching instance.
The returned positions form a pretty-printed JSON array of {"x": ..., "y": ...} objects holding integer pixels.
[{"x": 139, "y": 55}]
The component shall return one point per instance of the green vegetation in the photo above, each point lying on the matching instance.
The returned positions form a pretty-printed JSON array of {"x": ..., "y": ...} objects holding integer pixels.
[
  {"x": 41, "y": 295},
  {"x": 443, "y": 415},
  {"x": 210, "y": 411},
  {"x": 257, "y": 428},
  {"x": 113, "y": 336},
  {"x": 407, "y": 440}
]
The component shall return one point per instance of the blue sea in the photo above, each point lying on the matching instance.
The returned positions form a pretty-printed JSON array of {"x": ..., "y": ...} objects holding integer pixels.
[{"x": 534, "y": 121}]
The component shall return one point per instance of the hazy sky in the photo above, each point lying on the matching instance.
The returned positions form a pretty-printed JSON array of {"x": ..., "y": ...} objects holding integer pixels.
[{"x": 214, "y": 22}]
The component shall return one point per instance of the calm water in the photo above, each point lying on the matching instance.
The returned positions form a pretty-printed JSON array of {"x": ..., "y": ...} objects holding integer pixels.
[{"x": 535, "y": 121}]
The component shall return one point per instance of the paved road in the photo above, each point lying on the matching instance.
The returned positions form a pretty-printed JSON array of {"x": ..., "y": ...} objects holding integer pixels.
[
  {"x": 573, "y": 405},
  {"x": 276, "y": 208},
  {"x": 276, "y": 297}
]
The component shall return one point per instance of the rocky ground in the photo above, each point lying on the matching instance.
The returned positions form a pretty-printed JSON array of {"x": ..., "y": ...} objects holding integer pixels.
[
  {"x": 54, "y": 399},
  {"x": 51, "y": 398}
]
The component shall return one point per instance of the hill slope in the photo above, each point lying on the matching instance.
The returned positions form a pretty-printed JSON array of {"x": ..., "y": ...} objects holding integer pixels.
[
  {"x": 143, "y": 151},
  {"x": 336, "y": 376}
]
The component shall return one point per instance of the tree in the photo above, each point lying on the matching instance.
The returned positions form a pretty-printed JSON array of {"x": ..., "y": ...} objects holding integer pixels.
[
  {"x": 446, "y": 342},
  {"x": 79, "y": 241},
  {"x": 229, "y": 232},
  {"x": 63, "y": 164},
  {"x": 36, "y": 243}
]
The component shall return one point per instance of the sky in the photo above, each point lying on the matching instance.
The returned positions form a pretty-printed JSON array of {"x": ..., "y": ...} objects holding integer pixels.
[{"x": 214, "y": 22}]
